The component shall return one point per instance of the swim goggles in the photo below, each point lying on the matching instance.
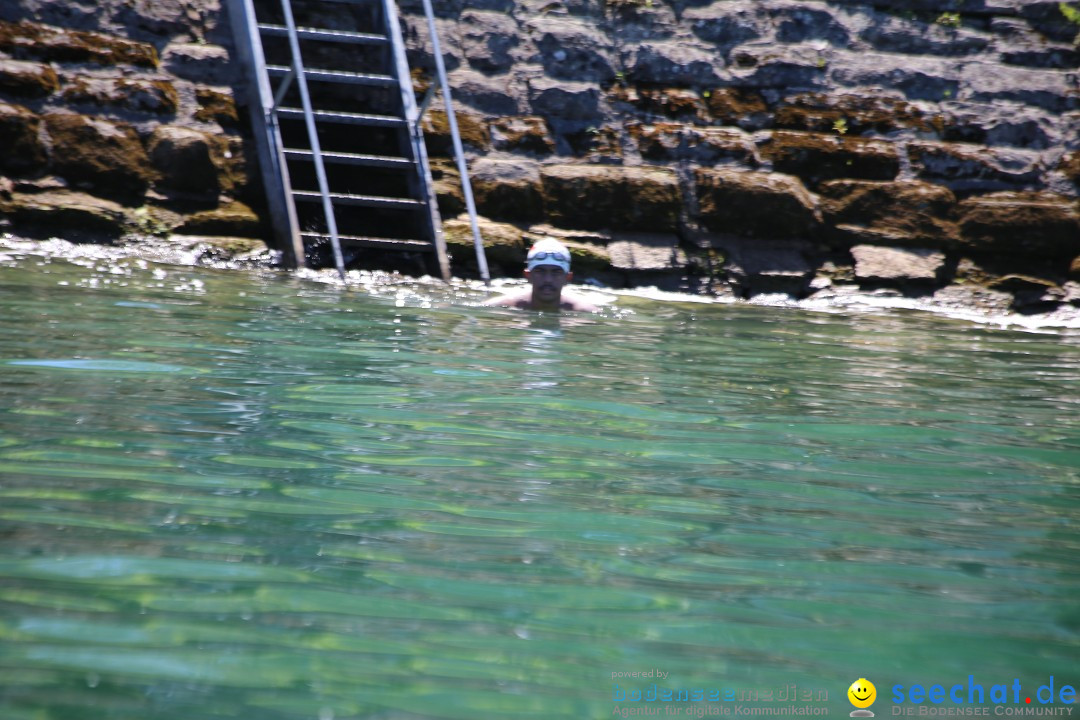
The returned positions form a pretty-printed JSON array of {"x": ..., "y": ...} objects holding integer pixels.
[{"x": 545, "y": 257}]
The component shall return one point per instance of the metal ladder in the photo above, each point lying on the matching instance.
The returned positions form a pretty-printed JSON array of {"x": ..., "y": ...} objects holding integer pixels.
[{"x": 341, "y": 152}]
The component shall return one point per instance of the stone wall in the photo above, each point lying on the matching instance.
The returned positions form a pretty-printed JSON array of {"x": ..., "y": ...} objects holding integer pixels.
[
  {"x": 758, "y": 145},
  {"x": 750, "y": 146},
  {"x": 121, "y": 121}
]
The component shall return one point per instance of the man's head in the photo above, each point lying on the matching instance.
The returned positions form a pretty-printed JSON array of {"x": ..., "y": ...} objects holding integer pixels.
[{"x": 547, "y": 267}]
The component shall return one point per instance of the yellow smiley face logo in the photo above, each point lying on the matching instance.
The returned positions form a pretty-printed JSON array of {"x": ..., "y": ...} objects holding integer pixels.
[{"x": 862, "y": 693}]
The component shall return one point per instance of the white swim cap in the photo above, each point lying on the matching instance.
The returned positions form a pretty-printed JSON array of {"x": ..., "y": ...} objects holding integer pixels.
[{"x": 548, "y": 252}]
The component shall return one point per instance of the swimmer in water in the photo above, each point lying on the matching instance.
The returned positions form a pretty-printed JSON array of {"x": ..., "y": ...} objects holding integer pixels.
[{"x": 547, "y": 268}]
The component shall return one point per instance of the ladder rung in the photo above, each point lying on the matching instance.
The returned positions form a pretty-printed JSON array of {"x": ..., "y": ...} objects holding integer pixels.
[
  {"x": 344, "y": 117},
  {"x": 383, "y": 161},
  {"x": 306, "y": 33},
  {"x": 339, "y": 76},
  {"x": 375, "y": 242},
  {"x": 372, "y": 201}
]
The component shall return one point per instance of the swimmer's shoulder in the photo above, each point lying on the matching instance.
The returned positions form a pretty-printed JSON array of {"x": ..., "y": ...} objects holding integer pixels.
[
  {"x": 571, "y": 302},
  {"x": 523, "y": 301},
  {"x": 520, "y": 300}
]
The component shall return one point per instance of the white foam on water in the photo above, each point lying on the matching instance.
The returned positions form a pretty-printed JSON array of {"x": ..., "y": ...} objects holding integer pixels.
[{"x": 429, "y": 292}]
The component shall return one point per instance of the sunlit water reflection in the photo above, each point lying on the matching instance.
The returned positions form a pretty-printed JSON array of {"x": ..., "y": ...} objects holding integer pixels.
[{"x": 250, "y": 495}]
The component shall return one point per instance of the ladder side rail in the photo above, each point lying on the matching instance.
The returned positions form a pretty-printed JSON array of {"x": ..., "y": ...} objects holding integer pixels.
[
  {"x": 268, "y": 145},
  {"x": 459, "y": 152},
  {"x": 313, "y": 137},
  {"x": 416, "y": 134}
]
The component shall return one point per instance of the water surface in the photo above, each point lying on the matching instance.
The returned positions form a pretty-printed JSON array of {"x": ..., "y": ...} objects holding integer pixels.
[{"x": 248, "y": 495}]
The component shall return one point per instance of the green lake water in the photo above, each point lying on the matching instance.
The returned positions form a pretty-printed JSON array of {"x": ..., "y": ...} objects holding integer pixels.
[{"x": 252, "y": 496}]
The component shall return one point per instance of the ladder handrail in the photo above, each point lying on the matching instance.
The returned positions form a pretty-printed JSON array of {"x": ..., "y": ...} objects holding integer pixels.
[
  {"x": 459, "y": 152},
  {"x": 313, "y": 136},
  {"x": 416, "y": 136},
  {"x": 268, "y": 142}
]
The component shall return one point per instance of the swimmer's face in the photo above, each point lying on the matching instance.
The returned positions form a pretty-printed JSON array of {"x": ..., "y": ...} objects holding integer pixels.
[
  {"x": 862, "y": 693},
  {"x": 548, "y": 281}
]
